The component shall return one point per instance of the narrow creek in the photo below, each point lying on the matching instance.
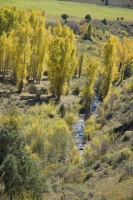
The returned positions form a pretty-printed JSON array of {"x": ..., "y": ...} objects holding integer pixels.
[
  {"x": 79, "y": 127},
  {"x": 79, "y": 131}
]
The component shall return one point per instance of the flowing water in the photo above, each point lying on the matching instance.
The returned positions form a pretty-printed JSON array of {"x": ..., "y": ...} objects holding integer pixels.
[{"x": 79, "y": 127}]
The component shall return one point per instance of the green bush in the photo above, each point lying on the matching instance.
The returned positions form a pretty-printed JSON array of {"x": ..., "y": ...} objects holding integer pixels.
[
  {"x": 62, "y": 110},
  {"x": 32, "y": 89},
  {"x": 89, "y": 175},
  {"x": 96, "y": 164},
  {"x": 124, "y": 154},
  {"x": 126, "y": 136}
]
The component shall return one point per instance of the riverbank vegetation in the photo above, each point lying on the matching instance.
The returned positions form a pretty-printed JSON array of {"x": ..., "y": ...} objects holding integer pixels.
[{"x": 49, "y": 74}]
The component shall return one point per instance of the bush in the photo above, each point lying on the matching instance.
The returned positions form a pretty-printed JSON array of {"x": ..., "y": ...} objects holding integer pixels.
[
  {"x": 70, "y": 119},
  {"x": 128, "y": 71},
  {"x": 96, "y": 164},
  {"x": 104, "y": 21},
  {"x": 62, "y": 110},
  {"x": 89, "y": 175},
  {"x": 124, "y": 154},
  {"x": 129, "y": 87},
  {"x": 32, "y": 89},
  {"x": 76, "y": 90},
  {"x": 126, "y": 136},
  {"x": 130, "y": 198}
]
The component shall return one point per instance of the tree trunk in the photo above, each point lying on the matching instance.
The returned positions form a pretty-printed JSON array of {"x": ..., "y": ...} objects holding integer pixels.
[
  {"x": 88, "y": 109},
  {"x": 20, "y": 86},
  {"x": 11, "y": 198}
]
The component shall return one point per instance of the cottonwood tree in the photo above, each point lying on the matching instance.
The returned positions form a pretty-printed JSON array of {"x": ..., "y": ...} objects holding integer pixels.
[
  {"x": 4, "y": 54},
  {"x": 110, "y": 72},
  {"x": 125, "y": 55},
  {"x": 39, "y": 41},
  {"x": 61, "y": 59},
  {"x": 38, "y": 48},
  {"x": 23, "y": 54},
  {"x": 91, "y": 70},
  {"x": 80, "y": 64}
]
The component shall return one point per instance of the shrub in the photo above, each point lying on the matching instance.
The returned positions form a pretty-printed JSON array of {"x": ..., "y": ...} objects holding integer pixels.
[
  {"x": 32, "y": 89},
  {"x": 129, "y": 168},
  {"x": 130, "y": 198},
  {"x": 108, "y": 158},
  {"x": 129, "y": 87},
  {"x": 62, "y": 110},
  {"x": 126, "y": 136},
  {"x": 124, "y": 154},
  {"x": 132, "y": 143},
  {"x": 128, "y": 71},
  {"x": 96, "y": 164},
  {"x": 104, "y": 21},
  {"x": 76, "y": 90},
  {"x": 70, "y": 119},
  {"x": 90, "y": 128},
  {"x": 89, "y": 175}
]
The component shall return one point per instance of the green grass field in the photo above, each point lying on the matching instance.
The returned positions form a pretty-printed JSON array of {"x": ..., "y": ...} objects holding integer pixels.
[{"x": 56, "y": 8}]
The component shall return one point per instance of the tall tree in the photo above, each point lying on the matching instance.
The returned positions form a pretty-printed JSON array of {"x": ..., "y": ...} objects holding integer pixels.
[
  {"x": 20, "y": 174},
  {"x": 125, "y": 55},
  {"x": 80, "y": 64},
  {"x": 3, "y": 54},
  {"x": 61, "y": 59},
  {"x": 91, "y": 68},
  {"x": 110, "y": 72},
  {"x": 22, "y": 54},
  {"x": 38, "y": 47}
]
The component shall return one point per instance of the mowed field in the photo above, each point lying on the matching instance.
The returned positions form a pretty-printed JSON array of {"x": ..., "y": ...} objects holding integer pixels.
[{"x": 74, "y": 9}]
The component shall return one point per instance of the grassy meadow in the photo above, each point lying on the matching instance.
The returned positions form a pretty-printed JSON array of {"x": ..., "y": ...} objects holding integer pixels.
[{"x": 74, "y": 9}]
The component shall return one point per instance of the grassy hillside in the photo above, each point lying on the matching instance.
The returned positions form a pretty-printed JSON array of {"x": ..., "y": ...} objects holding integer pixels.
[{"x": 56, "y": 8}]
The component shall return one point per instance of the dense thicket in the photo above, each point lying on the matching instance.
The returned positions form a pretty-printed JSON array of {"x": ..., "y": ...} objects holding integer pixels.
[{"x": 21, "y": 175}]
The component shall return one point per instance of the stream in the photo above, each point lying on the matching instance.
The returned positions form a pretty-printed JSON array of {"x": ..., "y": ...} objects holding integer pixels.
[{"x": 79, "y": 127}]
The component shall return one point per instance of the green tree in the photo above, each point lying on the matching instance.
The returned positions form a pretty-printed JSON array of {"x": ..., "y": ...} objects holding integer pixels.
[
  {"x": 20, "y": 174},
  {"x": 65, "y": 17},
  {"x": 88, "y": 17}
]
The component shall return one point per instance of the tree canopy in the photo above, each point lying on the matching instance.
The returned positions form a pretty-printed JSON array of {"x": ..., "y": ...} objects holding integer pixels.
[{"x": 21, "y": 175}]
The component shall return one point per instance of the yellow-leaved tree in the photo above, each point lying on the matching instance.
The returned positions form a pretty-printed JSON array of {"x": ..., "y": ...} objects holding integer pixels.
[
  {"x": 110, "y": 59},
  {"x": 125, "y": 55},
  {"x": 39, "y": 43},
  {"x": 61, "y": 59},
  {"x": 91, "y": 70}
]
